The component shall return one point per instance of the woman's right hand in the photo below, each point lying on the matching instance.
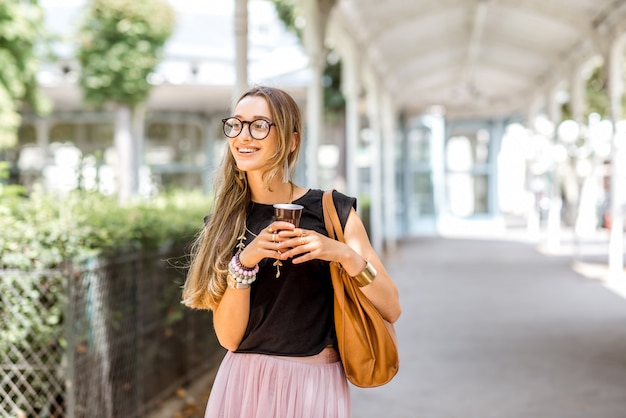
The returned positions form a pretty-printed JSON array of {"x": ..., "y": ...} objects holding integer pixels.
[{"x": 265, "y": 244}]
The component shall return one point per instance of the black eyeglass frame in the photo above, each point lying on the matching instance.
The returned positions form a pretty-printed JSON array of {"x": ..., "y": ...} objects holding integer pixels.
[{"x": 243, "y": 125}]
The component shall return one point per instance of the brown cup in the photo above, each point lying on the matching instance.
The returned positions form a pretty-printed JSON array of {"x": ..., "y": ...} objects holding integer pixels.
[{"x": 288, "y": 212}]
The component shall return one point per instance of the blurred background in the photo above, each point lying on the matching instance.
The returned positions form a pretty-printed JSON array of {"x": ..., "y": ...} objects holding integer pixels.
[{"x": 449, "y": 120}]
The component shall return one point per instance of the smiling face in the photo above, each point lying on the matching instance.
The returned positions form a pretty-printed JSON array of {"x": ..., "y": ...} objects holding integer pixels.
[
  {"x": 252, "y": 155},
  {"x": 273, "y": 158}
]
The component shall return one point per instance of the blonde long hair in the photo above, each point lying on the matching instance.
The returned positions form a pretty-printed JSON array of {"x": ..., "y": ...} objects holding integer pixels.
[{"x": 215, "y": 243}]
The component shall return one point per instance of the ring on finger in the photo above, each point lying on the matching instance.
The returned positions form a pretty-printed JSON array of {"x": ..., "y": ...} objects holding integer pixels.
[
  {"x": 270, "y": 230},
  {"x": 273, "y": 236},
  {"x": 302, "y": 240}
]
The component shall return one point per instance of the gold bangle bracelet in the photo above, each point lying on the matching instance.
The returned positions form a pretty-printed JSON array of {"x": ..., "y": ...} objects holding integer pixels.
[
  {"x": 366, "y": 276},
  {"x": 234, "y": 284}
]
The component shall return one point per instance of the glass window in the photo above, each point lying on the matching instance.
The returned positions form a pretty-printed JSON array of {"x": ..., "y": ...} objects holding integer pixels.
[
  {"x": 467, "y": 194},
  {"x": 63, "y": 132},
  {"x": 419, "y": 146},
  {"x": 422, "y": 195}
]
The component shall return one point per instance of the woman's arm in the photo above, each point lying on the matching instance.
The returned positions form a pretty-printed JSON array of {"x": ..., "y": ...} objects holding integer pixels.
[
  {"x": 230, "y": 318},
  {"x": 382, "y": 292}
]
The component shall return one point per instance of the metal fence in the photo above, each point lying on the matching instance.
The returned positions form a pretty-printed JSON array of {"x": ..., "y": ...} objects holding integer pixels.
[{"x": 109, "y": 339}]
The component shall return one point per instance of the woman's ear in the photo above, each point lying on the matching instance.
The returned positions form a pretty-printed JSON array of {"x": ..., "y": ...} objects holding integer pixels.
[{"x": 294, "y": 141}]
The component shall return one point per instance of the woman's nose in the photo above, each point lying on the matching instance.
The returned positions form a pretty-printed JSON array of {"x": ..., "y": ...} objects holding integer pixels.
[{"x": 245, "y": 131}]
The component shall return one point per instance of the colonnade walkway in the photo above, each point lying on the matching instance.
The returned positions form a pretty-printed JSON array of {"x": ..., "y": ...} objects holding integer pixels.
[{"x": 495, "y": 328}]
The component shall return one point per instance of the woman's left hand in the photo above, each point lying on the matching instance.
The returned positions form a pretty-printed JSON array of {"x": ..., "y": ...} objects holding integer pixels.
[{"x": 304, "y": 244}]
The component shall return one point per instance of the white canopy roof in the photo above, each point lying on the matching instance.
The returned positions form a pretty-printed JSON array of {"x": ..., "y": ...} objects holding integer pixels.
[{"x": 476, "y": 57}]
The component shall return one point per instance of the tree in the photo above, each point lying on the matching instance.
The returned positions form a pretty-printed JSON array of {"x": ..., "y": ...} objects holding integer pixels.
[
  {"x": 334, "y": 102},
  {"x": 597, "y": 97},
  {"x": 21, "y": 24},
  {"x": 121, "y": 42}
]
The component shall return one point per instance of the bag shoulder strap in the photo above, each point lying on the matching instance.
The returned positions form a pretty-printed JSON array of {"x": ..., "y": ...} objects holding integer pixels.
[{"x": 331, "y": 218}]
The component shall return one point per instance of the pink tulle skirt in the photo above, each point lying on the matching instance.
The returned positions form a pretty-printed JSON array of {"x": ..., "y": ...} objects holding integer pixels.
[{"x": 262, "y": 386}]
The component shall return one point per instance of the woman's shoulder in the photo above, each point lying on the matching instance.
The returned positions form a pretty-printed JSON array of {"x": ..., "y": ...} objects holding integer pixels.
[
  {"x": 316, "y": 195},
  {"x": 344, "y": 200},
  {"x": 313, "y": 198}
]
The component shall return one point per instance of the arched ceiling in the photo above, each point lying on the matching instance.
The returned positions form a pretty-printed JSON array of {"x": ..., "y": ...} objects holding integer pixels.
[{"x": 476, "y": 58}]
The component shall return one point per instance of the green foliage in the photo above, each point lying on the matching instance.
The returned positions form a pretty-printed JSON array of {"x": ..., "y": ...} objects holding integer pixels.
[
  {"x": 334, "y": 102},
  {"x": 120, "y": 44},
  {"x": 26, "y": 297},
  {"x": 597, "y": 97},
  {"x": 21, "y": 24},
  {"x": 43, "y": 231},
  {"x": 42, "y": 236},
  {"x": 9, "y": 189},
  {"x": 286, "y": 10}
]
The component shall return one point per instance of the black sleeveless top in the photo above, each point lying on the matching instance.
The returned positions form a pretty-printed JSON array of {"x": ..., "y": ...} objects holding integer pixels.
[{"x": 292, "y": 315}]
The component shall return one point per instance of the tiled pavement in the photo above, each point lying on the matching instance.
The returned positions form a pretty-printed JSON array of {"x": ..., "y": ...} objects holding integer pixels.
[{"x": 497, "y": 329}]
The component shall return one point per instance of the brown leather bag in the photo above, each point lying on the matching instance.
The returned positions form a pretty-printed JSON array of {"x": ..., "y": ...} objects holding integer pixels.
[{"x": 367, "y": 342}]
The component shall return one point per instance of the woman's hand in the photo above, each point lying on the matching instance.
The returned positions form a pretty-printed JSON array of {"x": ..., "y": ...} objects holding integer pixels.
[
  {"x": 302, "y": 245},
  {"x": 267, "y": 244}
]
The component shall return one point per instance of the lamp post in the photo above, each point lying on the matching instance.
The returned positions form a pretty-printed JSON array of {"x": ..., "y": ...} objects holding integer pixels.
[
  {"x": 545, "y": 127},
  {"x": 616, "y": 245},
  {"x": 539, "y": 163},
  {"x": 589, "y": 167},
  {"x": 566, "y": 133}
]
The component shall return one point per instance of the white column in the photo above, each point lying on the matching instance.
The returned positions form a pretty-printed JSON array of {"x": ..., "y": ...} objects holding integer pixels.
[
  {"x": 314, "y": 44},
  {"x": 124, "y": 153},
  {"x": 376, "y": 196},
  {"x": 533, "y": 222},
  {"x": 209, "y": 140},
  {"x": 138, "y": 134},
  {"x": 437, "y": 124},
  {"x": 389, "y": 129},
  {"x": 584, "y": 207},
  {"x": 351, "y": 88},
  {"x": 241, "y": 48},
  {"x": 314, "y": 113},
  {"x": 616, "y": 91},
  {"x": 577, "y": 95},
  {"x": 556, "y": 203},
  {"x": 496, "y": 135},
  {"x": 532, "y": 111},
  {"x": 42, "y": 133}
]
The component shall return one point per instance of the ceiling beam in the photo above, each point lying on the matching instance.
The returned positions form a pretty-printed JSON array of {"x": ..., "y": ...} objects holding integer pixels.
[
  {"x": 411, "y": 16},
  {"x": 475, "y": 41},
  {"x": 564, "y": 15},
  {"x": 409, "y": 72},
  {"x": 419, "y": 50},
  {"x": 541, "y": 50}
]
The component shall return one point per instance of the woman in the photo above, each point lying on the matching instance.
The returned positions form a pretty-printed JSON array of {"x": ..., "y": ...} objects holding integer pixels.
[{"x": 268, "y": 282}]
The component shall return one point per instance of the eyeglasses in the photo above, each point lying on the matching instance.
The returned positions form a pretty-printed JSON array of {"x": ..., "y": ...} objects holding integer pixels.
[{"x": 258, "y": 128}]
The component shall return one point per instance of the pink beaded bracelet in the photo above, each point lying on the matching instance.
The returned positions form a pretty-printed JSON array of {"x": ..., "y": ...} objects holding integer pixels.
[{"x": 241, "y": 273}]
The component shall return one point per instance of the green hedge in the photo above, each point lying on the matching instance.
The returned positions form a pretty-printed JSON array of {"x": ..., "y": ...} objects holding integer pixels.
[{"x": 42, "y": 231}]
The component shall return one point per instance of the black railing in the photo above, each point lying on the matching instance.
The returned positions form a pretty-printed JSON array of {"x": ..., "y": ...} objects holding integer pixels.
[{"x": 122, "y": 344}]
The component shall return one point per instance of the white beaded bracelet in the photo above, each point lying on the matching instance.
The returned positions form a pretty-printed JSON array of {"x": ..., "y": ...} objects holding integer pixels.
[
  {"x": 240, "y": 273},
  {"x": 234, "y": 284}
]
